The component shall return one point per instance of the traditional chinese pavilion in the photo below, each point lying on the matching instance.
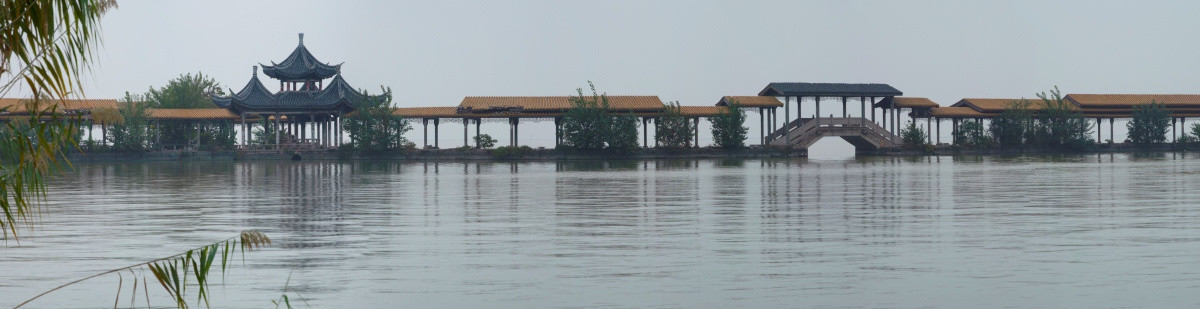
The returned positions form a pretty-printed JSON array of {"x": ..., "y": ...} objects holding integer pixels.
[{"x": 306, "y": 108}]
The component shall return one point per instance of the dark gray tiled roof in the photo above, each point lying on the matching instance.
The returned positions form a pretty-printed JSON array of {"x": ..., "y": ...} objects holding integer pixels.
[
  {"x": 829, "y": 89},
  {"x": 301, "y": 65},
  {"x": 337, "y": 95}
]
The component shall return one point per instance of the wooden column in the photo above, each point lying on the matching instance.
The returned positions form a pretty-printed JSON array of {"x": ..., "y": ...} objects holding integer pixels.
[
  {"x": 645, "y": 131},
  {"x": 436, "y": 122},
  {"x": 844, "y": 107},
  {"x": 929, "y": 129},
  {"x": 696, "y": 130},
  {"x": 954, "y": 131},
  {"x": 817, "y": 115},
  {"x": 862, "y": 106},
  {"x": 1173, "y": 129},
  {"x": 656, "y": 130},
  {"x": 243, "y": 135},
  {"x": 762, "y": 129},
  {"x": 1111, "y": 122},
  {"x": 466, "y": 124},
  {"x": 787, "y": 112},
  {"x": 873, "y": 110},
  {"x": 277, "y": 129},
  {"x": 425, "y": 132},
  {"x": 477, "y": 121},
  {"x": 1098, "y": 125},
  {"x": 799, "y": 107}
]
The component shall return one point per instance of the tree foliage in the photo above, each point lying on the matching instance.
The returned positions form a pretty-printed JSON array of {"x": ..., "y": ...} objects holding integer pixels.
[
  {"x": 185, "y": 91},
  {"x": 374, "y": 126},
  {"x": 190, "y": 91},
  {"x": 590, "y": 125},
  {"x": 130, "y": 131},
  {"x": 1060, "y": 124},
  {"x": 485, "y": 141},
  {"x": 264, "y": 134},
  {"x": 1011, "y": 126},
  {"x": 728, "y": 128},
  {"x": 913, "y": 135},
  {"x": 1056, "y": 123},
  {"x": 673, "y": 131},
  {"x": 971, "y": 133},
  {"x": 1150, "y": 123}
]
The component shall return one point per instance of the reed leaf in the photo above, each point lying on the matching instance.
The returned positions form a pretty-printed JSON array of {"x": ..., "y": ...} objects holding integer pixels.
[{"x": 173, "y": 272}]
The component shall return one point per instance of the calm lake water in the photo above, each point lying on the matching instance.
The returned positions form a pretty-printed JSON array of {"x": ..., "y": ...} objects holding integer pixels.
[{"x": 956, "y": 232}]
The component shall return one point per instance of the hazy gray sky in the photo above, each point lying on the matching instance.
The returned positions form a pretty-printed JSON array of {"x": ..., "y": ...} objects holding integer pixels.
[{"x": 434, "y": 53}]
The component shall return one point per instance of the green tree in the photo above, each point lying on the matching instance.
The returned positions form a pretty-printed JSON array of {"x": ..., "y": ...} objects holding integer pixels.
[
  {"x": 728, "y": 128},
  {"x": 130, "y": 132},
  {"x": 590, "y": 125},
  {"x": 190, "y": 91},
  {"x": 374, "y": 126},
  {"x": 971, "y": 133},
  {"x": 623, "y": 135},
  {"x": 264, "y": 134},
  {"x": 673, "y": 131},
  {"x": 1011, "y": 126},
  {"x": 1061, "y": 124},
  {"x": 913, "y": 135},
  {"x": 1150, "y": 123},
  {"x": 485, "y": 141},
  {"x": 185, "y": 91}
]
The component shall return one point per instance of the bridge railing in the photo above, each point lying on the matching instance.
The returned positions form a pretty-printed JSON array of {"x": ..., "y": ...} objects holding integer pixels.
[{"x": 798, "y": 129}]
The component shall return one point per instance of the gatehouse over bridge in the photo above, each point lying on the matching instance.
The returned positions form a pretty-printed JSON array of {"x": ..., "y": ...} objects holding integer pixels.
[{"x": 863, "y": 130}]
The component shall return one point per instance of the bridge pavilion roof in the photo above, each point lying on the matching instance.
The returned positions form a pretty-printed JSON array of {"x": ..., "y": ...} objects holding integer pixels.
[
  {"x": 750, "y": 101},
  {"x": 829, "y": 90}
]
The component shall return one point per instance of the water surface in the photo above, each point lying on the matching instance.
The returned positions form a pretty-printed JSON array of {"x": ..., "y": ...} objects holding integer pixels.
[{"x": 1084, "y": 231}]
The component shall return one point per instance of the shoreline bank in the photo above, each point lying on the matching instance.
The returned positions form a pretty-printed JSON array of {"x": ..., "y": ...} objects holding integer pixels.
[{"x": 538, "y": 154}]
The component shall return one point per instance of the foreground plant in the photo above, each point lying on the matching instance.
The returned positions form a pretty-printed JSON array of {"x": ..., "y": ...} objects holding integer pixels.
[
  {"x": 30, "y": 148},
  {"x": 173, "y": 272}
]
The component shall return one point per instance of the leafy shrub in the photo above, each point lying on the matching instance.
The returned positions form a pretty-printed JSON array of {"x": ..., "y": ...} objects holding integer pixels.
[
  {"x": 1011, "y": 127},
  {"x": 727, "y": 127},
  {"x": 509, "y": 152},
  {"x": 373, "y": 126},
  {"x": 1150, "y": 123},
  {"x": 589, "y": 125},
  {"x": 130, "y": 132},
  {"x": 485, "y": 141},
  {"x": 673, "y": 130},
  {"x": 1060, "y": 124},
  {"x": 912, "y": 135},
  {"x": 970, "y": 133}
]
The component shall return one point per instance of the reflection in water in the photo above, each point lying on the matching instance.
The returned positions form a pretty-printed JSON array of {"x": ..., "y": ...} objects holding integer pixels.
[{"x": 864, "y": 232}]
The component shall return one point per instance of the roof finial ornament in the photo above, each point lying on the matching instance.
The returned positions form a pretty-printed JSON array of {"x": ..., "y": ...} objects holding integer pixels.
[
  {"x": 302, "y": 38},
  {"x": 255, "y": 71}
]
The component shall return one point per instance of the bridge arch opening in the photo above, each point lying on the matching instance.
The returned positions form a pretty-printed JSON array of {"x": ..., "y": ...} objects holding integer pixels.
[{"x": 831, "y": 148}]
